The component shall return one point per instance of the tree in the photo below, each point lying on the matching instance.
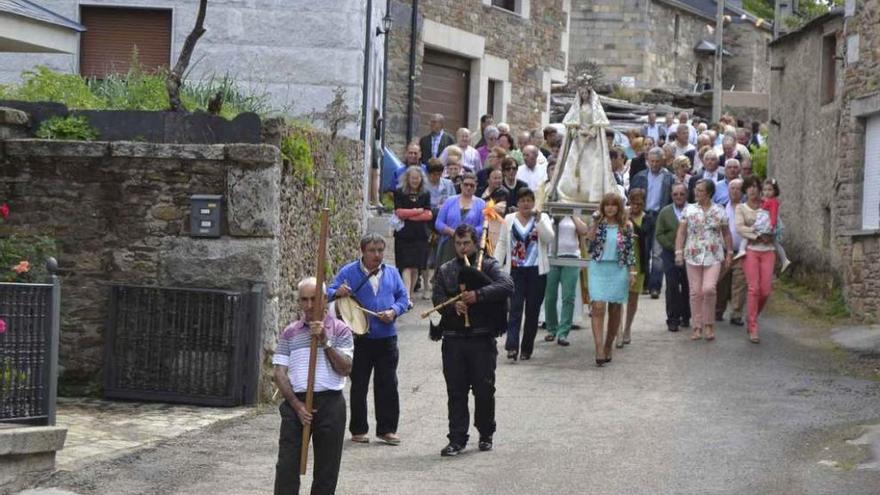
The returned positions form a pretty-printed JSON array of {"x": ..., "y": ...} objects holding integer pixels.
[
  {"x": 808, "y": 10},
  {"x": 172, "y": 84},
  {"x": 765, "y": 9}
]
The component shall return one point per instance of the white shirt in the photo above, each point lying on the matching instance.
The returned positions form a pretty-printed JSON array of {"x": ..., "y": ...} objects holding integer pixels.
[
  {"x": 470, "y": 159},
  {"x": 680, "y": 151},
  {"x": 568, "y": 244},
  {"x": 532, "y": 177},
  {"x": 374, "y": 279}
]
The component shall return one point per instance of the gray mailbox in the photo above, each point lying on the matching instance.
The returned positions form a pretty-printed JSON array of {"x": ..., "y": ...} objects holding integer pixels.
[{"x": 205, "y": 215}]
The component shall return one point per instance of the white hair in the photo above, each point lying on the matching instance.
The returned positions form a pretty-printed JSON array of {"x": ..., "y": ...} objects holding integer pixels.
[
  {"x": 732, "y": 162},
  {"x": 308, "y": 282},
  {"x": 710, "y": 154}
]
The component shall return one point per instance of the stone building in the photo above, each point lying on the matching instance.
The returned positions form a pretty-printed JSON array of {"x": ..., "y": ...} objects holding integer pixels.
[
  {"x": 473, "y": 57},
  {"x": 825, "y": 148},
  {"x": 669, "y": 43},
  {"x": 295, "y": 52}
]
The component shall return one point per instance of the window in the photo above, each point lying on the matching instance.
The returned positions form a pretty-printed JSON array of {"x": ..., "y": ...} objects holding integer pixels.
[
  {"x": 518, "y": 7},
  {"x": 490, "y": 99},
  {"x": 871, "y": 185},
  {"x": 829, "y": 69},
  {"x": 114, "y": 35},
  {"x": 677, "y": 32},
  {"x": 505, "y": 4}
]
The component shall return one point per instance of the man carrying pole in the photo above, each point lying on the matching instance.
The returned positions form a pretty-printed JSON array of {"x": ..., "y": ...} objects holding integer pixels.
[{"x": 327, "y": 418}]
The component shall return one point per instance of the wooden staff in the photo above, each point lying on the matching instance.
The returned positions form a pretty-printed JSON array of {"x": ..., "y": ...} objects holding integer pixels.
[{"x": 317, "y": 315}]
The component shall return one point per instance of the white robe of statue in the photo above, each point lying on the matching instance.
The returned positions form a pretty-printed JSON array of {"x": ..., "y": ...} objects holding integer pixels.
[{"x": 587, "y": 175}]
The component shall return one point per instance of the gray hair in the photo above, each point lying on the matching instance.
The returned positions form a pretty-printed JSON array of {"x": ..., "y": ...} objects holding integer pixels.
[
  {"x": 438, "y": 117},
  {"x": 403, "y": 183},
  {"x": 491, "y": 132},
  {"x": 308, "y": 282},
  {"x": 728, "y": 140},
  {"x": 736, "y": 181},
  {"x": 656, "y": 152},
  {"x": 669, "y": 147},
  {"x": 710, "y": 154},
  {"x": 731, "y": 162},
  {"x": 371, "y": 238}
]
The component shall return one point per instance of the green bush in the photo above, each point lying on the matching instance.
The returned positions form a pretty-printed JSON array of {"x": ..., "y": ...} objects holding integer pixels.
[
  {"x": 759, "y": 160},
  {"x": 73, "y": 127},
  {"x": 135, "y": 90},
  {"x": 296, "y": 150},
  {"x": 41, "y": 84}
]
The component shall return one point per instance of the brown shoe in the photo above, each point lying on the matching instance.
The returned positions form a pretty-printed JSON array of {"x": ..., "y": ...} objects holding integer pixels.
[{"x": 360, "y": 439}]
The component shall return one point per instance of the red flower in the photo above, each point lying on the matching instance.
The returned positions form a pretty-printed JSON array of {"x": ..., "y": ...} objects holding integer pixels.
[
  {"x": 2, "y": 326},
  {"x": 22, "y": 267},
  {"x": 4, "y": 211}
]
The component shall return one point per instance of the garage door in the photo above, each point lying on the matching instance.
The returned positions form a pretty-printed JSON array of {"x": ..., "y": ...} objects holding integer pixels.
[
  {"x": 445, "y": 82},
  {"x": 112, "y": 35}
]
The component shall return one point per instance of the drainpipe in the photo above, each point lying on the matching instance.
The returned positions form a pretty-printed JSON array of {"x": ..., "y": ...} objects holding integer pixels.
[
  {"x": 367, "y": 44},
  {"x": 385, "y": 79},
  {"x": 412, "y": 71}
]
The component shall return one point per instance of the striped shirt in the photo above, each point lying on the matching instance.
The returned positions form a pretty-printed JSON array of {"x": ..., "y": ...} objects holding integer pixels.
[{"x": 293, "y": 352}]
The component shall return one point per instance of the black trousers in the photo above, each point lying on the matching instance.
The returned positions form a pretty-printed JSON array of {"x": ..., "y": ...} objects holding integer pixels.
[
  {"x": 381, "y": 356},
  {"x": 655, "y": 272},
  {"x": 528, "y": 292},
  {"x": 469, "y": 364},
  {"x": 328, "y": 433},
  {"x": 678, "y": 302}
]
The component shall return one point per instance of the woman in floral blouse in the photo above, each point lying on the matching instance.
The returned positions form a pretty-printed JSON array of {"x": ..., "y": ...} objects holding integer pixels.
[
  {"x": 612, "y": 270},
  {"x": 703, "y": 243}
]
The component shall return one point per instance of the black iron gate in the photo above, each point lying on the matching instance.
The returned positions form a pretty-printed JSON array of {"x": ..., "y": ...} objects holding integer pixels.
[
  {"x": 29, "y": 318},
  {"x": 193, "y": 346}
]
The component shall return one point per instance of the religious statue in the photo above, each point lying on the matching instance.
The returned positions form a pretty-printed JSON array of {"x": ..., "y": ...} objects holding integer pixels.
[{"x": 585, "y": 175}]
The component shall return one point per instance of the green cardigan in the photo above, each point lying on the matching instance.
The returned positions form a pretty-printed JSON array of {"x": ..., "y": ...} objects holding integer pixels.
[{"x": 666, "y": 228}]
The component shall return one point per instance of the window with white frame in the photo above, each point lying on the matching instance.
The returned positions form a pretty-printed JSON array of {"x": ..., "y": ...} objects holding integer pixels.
[
  {"x": 520, "y": 7},
  {"x": 871, "y": 185}
]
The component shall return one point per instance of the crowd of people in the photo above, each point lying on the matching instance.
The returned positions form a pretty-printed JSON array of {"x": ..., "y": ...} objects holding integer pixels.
[{"x": 686, "y": 210}]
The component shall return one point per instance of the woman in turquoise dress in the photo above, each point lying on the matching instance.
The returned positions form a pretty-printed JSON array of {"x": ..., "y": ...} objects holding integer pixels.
[{"x": 612, "y": 266}]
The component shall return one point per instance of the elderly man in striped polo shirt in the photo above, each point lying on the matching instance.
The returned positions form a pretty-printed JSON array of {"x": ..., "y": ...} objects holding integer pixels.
[{"x": 291, "y": 360}]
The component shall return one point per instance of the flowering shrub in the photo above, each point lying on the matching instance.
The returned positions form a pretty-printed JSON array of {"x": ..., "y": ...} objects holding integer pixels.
[{"x": 17, "y": 252}]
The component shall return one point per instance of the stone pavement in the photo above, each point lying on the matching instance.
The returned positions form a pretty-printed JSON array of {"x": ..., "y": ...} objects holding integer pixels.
[
  {"x": 100, "y": 430},
  {"x": 667, "y": 416}
]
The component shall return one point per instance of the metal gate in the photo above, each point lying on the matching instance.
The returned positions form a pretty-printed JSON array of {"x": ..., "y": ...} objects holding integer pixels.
[
  {"x": 29, "y": 352},
  {"x": 193, "y": 346}
]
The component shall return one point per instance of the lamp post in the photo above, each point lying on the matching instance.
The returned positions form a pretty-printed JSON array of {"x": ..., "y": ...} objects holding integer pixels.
[{"x": 717, "y": 104}]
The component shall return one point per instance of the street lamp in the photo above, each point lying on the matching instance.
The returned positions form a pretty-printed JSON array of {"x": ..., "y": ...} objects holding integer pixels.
[{"x": 387, "y": 22}]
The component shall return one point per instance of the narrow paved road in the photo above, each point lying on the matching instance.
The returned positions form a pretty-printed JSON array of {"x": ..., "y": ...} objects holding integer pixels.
[{"x": 668, "y": 416}]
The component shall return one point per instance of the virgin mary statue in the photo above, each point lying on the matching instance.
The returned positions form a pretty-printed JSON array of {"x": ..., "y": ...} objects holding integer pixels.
[{"x": 586, "y": 172}]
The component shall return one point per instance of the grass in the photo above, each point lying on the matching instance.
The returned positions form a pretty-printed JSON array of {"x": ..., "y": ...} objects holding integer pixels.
[{"x": 826, "y": 307}]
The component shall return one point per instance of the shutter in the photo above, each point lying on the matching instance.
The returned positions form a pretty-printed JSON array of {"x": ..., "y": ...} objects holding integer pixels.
[
  {"x": 112, "y": 35},
  {"x": 445, "y": 85},
  {"x": 871, "y": 186}
]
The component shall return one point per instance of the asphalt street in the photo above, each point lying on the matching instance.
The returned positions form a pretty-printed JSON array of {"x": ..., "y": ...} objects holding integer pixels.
[{"x": 667, "y": 416}]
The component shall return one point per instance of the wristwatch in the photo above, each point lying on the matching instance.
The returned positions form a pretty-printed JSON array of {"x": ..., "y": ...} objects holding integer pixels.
[{"x": 328, "y": 344}]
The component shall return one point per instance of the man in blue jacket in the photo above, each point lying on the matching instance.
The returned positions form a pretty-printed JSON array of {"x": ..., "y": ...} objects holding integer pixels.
[{"x": 378, "y": 288}]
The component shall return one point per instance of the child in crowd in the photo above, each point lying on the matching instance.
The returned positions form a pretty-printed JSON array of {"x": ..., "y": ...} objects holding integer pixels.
[
  {"x": 453, "y": 171},
  {"x": 767, "y": 222}
]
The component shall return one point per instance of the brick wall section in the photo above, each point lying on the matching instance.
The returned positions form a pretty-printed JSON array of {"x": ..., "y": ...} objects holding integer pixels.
[
  {"x": 860, "y": 254},
  {"x": 803, "y": 152},
  {"x": 531, "y": 46}
]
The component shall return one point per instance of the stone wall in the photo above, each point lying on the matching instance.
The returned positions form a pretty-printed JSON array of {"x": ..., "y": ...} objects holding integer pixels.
[
  {"x": 749, "y": 63},
  {"x": 531, "y": 47},
  {"x": 803, "y": 150},
  {"x": 671, "y": 63},
  {"x": 120, "y": 212},
  {"x": 859, "y": 249},
  {"x": 611, "y": 33}
]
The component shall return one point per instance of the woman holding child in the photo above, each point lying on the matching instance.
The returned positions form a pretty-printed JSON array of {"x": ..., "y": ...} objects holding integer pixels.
[{"x": 760, "y": 254}]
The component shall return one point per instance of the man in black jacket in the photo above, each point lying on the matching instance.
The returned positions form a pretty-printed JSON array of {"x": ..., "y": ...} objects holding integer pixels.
[
  {"x": 437, "y": 140},
  {"x": 469, "y": 352}
]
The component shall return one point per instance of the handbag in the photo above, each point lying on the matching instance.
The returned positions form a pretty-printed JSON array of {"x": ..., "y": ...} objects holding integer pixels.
[{"x": 396, "y": 223}]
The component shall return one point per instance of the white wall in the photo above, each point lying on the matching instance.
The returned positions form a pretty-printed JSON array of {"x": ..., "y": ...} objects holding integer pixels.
[{"x": 297, "y": 51}]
